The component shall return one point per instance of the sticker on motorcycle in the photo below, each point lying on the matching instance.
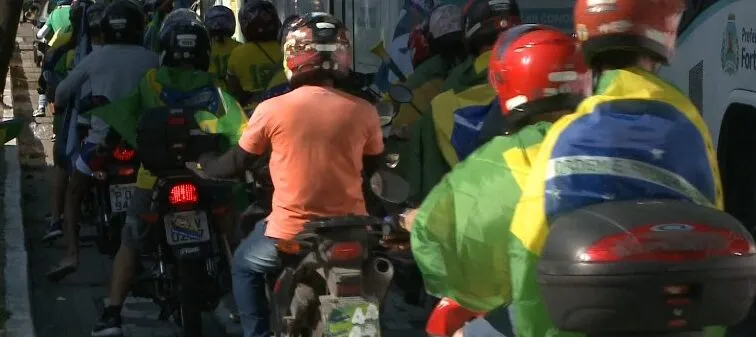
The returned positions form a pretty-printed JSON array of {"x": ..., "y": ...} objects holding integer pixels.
[{"x": 350, "y": 316}]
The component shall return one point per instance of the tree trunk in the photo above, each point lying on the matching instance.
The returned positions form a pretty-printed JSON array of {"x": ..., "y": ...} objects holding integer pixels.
[{"x": 10, "y": 13}]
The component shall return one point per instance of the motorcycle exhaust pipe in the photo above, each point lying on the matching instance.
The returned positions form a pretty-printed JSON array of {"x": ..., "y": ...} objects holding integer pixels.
[
  {"x": 383, "y": 266},
  {"x": 379, "y": 277}
]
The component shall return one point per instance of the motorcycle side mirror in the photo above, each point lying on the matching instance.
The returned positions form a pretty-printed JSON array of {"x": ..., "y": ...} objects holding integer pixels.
[
  {"x": 392, "y": 160},
  {"x": 385, "y": 112},
  {"x": 400, "y": 93},
  {"x": 389, "y": 187}
]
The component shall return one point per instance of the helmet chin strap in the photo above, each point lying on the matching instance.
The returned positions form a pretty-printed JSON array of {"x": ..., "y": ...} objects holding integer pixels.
[{"x": 595, "y": 78}]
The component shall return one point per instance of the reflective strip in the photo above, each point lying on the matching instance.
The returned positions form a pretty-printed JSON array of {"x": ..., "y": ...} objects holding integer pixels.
[{"x": 599, "y": 165}]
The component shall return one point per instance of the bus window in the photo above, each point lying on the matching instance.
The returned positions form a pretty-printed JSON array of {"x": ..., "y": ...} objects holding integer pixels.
[
  {"x": 301, "y": 7},
  {"x": 692, "y": 10}
]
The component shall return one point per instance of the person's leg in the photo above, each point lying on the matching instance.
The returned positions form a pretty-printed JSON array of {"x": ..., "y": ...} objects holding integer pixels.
[
  {"x": 78, "y": 186},
  {"x": 124, "y": 265},
  {"x": 60, "y": 184},
  {"x": 41, "y": 106},
  {"x": 255, "y": 257},
  {"x": 42, "y": 100}
]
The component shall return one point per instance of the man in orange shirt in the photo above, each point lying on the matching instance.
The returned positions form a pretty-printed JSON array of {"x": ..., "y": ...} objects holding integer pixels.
[{"x": 321, "y": 140}]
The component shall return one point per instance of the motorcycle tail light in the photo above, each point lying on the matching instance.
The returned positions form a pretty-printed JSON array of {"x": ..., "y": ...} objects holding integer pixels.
[
  {"x": 650, "y": 243},
  {"x": 125, "y": 171},
  {"x": 122, "y": 153},
  {"x": 176, "y": 120},
  {"x": 348, "y": 289},
  {"x": 183, "y": 194},
  {"x": 344, "y": 251}
]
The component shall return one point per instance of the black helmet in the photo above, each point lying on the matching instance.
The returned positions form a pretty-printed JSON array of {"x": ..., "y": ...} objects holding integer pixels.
[
  {"x": 220, "y": 21},
  {"x": 485, "y": 19},
  {"x": 123, "y": 23},
  {"x": 184, "y": 39},
  {"x": 259, "y": 21},
  {"x": 286, "y": 26},
  {"x": 94, "y": 18}
]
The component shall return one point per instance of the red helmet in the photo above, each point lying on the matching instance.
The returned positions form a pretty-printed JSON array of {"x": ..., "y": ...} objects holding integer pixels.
[
  {"x": 418, "y": 45},
  {"x": 317, "y": 42},
  {"x": 649, "y": 26},
  {"x": 536, "y": 69}
]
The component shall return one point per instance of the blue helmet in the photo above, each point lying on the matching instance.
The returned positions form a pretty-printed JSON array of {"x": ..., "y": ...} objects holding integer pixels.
[
  {"x": 220, "y": 20},
  {"x": 63, "y": 2}
]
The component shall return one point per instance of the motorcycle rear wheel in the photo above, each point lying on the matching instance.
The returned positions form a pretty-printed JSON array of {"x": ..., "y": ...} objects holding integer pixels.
[{"x": 191, "y": 272}]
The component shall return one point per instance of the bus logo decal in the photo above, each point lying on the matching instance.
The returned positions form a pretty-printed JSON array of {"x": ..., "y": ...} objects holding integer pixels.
[{"x": 730, "y": 47}]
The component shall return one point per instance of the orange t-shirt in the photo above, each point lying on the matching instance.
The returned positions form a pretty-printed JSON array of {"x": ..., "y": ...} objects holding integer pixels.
[{"x": 317, "y": 137}]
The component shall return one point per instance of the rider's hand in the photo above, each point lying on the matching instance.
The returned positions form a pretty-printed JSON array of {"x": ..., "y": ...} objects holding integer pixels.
[{"x": 407, "y": 218}]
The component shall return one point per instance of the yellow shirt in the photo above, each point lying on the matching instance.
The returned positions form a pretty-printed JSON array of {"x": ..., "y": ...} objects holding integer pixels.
[
  {"x": 252, "y": 67},
  {"x": 219, "y": 56},
  {"x": 60, "y": 38}
]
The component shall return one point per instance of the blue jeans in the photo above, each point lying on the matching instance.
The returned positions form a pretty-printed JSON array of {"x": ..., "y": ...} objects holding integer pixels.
[
  {"x": 255, "y": 257},
  {"x": 497, "y": 323}
]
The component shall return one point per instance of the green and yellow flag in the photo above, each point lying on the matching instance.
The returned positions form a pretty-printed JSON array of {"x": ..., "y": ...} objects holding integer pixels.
[
  {"x": 635, "y": 121},
  {"x": 459, "y": 234}
]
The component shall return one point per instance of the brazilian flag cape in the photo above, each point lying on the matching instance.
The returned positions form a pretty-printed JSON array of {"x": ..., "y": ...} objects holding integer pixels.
[
  {"x": 425, "y": 83},
  {"x": 639, "y": 137},
  {"x": 164, "y": 85},
  {"x": 458, "y": 236},
  {"x": 448, "y": 132}
]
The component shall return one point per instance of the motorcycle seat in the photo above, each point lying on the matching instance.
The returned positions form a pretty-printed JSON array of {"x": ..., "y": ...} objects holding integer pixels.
[{"x": 341, "y": 222}]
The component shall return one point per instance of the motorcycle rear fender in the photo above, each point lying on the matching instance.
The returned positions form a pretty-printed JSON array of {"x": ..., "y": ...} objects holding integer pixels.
[
  {"x": 297, "y": 270},
  {"x": 448, "y": 317}
]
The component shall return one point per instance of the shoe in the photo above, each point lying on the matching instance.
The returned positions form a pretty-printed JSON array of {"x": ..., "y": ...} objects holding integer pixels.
[
  {"x": 60, "y": 272},
  {"x": 38, "y": 113},
  {"x": 54, "y": 230},
  {"x": 109, "y": 325},
  {"x": 52, "y": 139}
]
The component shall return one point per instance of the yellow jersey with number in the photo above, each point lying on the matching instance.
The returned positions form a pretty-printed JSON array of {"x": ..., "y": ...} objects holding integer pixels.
[
  {"x": 220, "y": 53},
  {"x": 255, "y": 64}
]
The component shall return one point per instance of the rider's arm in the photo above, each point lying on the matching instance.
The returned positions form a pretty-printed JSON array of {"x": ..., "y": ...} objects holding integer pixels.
[
  {"x": 253, "y": 143},
  {"x": 42, "y": 32},
  {"x": 228, "y": 165}
]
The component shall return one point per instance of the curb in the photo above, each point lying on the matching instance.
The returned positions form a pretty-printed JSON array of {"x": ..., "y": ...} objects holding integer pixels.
[{"x": 16, "y": 273}]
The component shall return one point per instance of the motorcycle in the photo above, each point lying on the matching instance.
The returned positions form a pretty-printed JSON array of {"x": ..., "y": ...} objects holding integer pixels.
[
  {"x": 191, "y": 270},
  {"x": 111, "y": 195},
  {"x": 336, "y": 273},
  {"x": 647, "y": 268},
  {"x": 114, "y": 168}
]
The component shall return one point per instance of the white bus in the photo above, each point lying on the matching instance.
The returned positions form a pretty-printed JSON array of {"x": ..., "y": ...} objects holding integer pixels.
[{"x": 715, "y": 65}]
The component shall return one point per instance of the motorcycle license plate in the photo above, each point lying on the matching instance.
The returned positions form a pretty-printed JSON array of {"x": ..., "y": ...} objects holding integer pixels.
[
  {"x": 186, "y": 227},
  {"x": 350, "y": 316},
  {"x": 120, "y": 197}
]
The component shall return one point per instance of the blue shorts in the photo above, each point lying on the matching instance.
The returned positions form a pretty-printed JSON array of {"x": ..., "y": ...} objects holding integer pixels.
[{"x": 496, "y": 323}]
